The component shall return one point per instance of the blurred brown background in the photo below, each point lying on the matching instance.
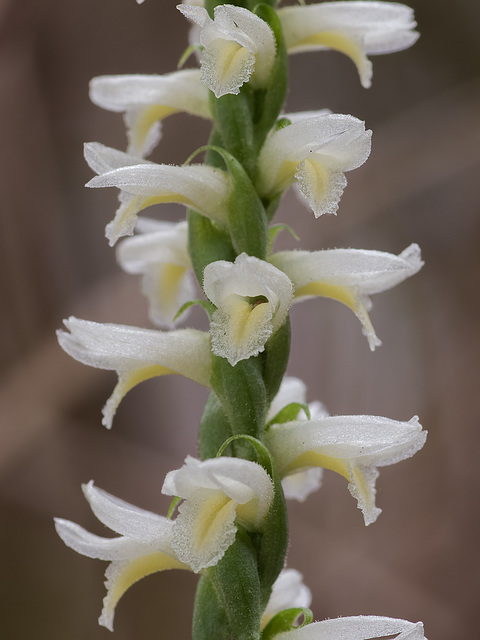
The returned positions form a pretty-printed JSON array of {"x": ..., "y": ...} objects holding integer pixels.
[{"x": 420, "y": 560}]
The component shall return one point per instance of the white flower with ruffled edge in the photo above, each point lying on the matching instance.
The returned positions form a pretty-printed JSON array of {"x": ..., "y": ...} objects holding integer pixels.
[
  {"x": 288, "y": 591},
  {"x": 353, "y": 446},
  {"x": 356, "y": 628},
  {"x": 147, "y": 99},
  {"x": 356, "y": 29},
  {"x": 136, "y": 354},
  {"x": 144, "y": 546},
  {"x": 299, "y": 485},
  {"x": 349, "y": 276},
  {"x": 218, "y": 494},
  {"x": 315, "y": 151},
  {"x": 160, "y": 255},
  {"x": 252, "y": 299},
  {"x": 143, "y": 183},
  {"x": 238, "y": 47}
]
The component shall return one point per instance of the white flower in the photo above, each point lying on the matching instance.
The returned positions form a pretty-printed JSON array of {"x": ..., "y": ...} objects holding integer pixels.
[
  {"x": 147, "y": 99},
  {"x": 252, "y": 299},
  {"x": 356, "y": 628},
  {"x": 136, "y": 354},
  {"x": 349, "y": 276},
  {"x": 217, "y": 493},
  {"x": 353, "y": 446},
  {"x": 143, "y": 183},
  {"x": 161, "y": 256},
  {"x": 238, "y": 47},
  {"x": 353, "y": 28},
  {"x": 288, "y": 591},
  {"x": 144, "y": 545},
  {"x": 299, "y": 485},
  {"x": 316, "y": 152}
]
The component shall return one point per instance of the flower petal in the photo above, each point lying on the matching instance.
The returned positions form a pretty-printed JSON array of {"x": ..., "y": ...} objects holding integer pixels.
[
  {"x": 93, "y": 546},
  {"x": 252, "y": 300},
  {"x": 128, "y": 520},
  {"x": 315, "y": 151},
  {"x": 349, "y": 276},
  {"x": 137, "y": 354},
  {"x": 161, "y": 256},
  {"x": 356, "y": 628},
  {"x": 353, "y": 446},
  {"x": 142, "y": 184},
  {"x": 238, "y": 45},
  {"x": 353, "y": 28},
  {"x": 288, "y": 591},
  {"x": 147, "y": 99},
  {"x": 216, "y": 493}
]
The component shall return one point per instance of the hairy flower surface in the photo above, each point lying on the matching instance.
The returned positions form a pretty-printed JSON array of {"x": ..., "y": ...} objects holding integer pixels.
[
  {"x": 288, "y": 591},
  {"x": 252, "y": 299},
  {"x": 238, "y": 46},
  {"x": 136, "y": 354},
  {"x": 147, "y": 99},
  {"x": 218, "y": 493},
  {"x": 353, "y": 28},
  {"x": 160, "y": 254},
  {"x": 357, "y": 628},
  {"x": 314, "y": 151},
  {"x": 142, "y": 184},
  {"x": 353, "y": 446},
  {"x": 349, "y": 276},
  {"x": 144, "y": 545}
]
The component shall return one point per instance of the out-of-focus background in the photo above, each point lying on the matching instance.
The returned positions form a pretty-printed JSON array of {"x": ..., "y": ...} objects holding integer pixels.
[{"x": 420, "y": 560}]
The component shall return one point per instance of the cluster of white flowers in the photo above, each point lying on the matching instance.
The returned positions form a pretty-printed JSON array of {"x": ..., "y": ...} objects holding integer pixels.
[{"x": 248, "y": 299}]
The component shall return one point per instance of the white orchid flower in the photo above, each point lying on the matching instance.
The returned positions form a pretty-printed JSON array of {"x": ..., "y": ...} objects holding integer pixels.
[
  {"x": 136, "y": 354},
  {"x": 298, "y": 486},
  {"x": 349, "y": 276},
  {"x": 315, "y": 152},
  {"x": 252, "y": 299},
  {"x": 356, "y": 628},
  {"x": 147, "y": 99},
  {"x": 142, "y": 184},
  {"x": 217, "y": 493},
  {"x": 353, "y": 446},
  {"x": 238, "y": 47},
  {"x": 160, "y": 255},
  {"x": 353, "y": 28},
  {"x": 288, "y": 591},
  {"x": 144, "y": 546}
]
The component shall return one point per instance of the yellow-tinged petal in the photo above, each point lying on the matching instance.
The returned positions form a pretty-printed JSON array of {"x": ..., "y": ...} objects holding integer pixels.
[
  {"x": 122, "y": 575},
  {"x": 339, "y": 42}
]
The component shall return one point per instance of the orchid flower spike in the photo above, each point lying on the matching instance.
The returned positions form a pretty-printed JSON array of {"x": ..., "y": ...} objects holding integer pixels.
[
  {"x": 136, "y": 354},
  {"x": 159, "y": 253},
  {"x": 217, "y": 493},
  {"x": 238, "y": 47},
  {"x": 356, "y": 628},
  {"x": 147, "y": 99},
  {"x": 142, "y": 184},
  {"x": 349, "y": 276},
  {"x": 143, "y": 547},
  {"x": 353, "y": 446},
  {"x": 353, "y": 28},
  {"x": 288, "y": 591},
  {"x": 299, "y": 485},
  {"x": 315, "y": 152},
  {"x": 252, "y": 299}
]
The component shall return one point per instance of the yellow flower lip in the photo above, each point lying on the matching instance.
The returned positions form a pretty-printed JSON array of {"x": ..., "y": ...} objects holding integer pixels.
[
  {"x": 238, "y": 47},
  {"x": 252, "y": 299}
]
